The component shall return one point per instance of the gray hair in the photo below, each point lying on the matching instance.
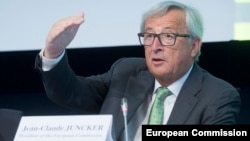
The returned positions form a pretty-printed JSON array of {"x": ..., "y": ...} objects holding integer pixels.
[{"x": 193, "y": 18}]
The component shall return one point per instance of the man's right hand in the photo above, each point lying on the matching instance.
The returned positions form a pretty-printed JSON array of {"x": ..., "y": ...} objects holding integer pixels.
[{"x": 61, "y": 34}]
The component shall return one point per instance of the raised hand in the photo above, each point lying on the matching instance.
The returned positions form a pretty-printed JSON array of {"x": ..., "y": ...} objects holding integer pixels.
[{"x": 61, "y": 34}]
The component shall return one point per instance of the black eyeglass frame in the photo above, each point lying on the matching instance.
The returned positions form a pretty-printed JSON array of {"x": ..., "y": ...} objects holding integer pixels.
[{"x": 158, "y": 36}]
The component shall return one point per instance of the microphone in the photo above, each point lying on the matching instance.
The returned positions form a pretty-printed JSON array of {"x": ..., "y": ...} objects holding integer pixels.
[{"x": 124, "y": 107}]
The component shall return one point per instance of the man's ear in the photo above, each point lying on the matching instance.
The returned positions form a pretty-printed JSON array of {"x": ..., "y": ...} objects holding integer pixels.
[{"x": 196, "y": 46}]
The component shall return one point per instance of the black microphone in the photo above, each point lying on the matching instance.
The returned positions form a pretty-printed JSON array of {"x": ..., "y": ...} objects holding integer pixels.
[{"x": 124, "y": 107}]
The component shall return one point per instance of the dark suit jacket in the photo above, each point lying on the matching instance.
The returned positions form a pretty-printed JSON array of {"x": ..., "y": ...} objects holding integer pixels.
[
  {"x": 203, "y": 99},
  {"x": 9, "y": 121}
]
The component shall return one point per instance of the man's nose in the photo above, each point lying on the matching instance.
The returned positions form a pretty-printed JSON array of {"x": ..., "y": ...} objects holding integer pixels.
[{"x": 156, "y": 44}]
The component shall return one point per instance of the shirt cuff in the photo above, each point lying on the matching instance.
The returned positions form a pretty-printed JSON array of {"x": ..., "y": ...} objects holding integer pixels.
[{"x": 48, "y": 64}]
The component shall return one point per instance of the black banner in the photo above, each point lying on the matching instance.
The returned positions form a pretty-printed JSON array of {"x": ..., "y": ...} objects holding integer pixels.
[{"x": 174, "y": 132}]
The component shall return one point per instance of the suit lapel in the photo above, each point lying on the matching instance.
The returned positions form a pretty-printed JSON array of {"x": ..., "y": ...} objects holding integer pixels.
[
  {"x": 187, "y": 99},
  {"x": 138, "y": 93}
]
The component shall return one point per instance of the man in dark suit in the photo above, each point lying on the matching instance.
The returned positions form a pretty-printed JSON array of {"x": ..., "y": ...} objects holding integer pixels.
[{"x": 171, "y": 34}]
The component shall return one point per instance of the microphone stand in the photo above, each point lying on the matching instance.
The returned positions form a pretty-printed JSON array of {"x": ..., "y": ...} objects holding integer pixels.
[{"x": 124, "y": 107}]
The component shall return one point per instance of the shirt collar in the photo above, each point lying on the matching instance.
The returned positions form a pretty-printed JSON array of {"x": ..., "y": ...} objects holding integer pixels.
[{"x": 177, "y": 85}]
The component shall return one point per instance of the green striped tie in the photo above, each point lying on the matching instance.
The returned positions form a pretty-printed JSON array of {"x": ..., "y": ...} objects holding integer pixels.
[{"x": 157, "y": 110}]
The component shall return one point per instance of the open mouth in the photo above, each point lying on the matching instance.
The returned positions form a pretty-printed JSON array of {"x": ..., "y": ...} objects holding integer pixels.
[{"x": 157, "y": 59}]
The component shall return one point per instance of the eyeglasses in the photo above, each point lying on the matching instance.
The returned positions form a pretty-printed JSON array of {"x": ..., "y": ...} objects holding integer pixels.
[{"x": 166, "y": 39}]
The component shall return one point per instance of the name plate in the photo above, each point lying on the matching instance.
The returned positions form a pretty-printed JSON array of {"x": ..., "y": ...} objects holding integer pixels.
[{"x": 65, "y": 128}]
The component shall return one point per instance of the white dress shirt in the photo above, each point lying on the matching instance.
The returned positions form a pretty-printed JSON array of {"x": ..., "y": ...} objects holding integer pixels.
[{"x": 168, "y": 103}]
